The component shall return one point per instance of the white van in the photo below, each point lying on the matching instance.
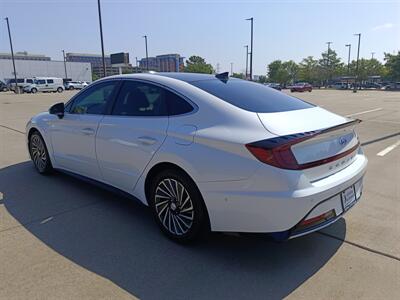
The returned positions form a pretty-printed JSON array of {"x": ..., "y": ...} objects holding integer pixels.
[{"x": 45, "y": 84}]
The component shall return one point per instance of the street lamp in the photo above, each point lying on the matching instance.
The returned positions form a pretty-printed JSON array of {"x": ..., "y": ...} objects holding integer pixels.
[
  {"x": 348, "y": 64},
  {"x": 251, "y": 47},
  {"x": 147, "y": 55},
  {"x": 247, "y": 59},
  {"x": 231, "y": 68},
  {"x": 101, "y": 39},
  {"x": 65, "y": 65},
  {"x": 358, "y": 56},
  {"x": 372, "y": 55},
  {"x": 327, "y": 61},
  {"x": 12, "y": 56}
]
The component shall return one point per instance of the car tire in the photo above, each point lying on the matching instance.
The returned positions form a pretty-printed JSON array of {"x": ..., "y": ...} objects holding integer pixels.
[
  {"x": 71, "y": 88},
  {"x": 34, "y": 90},
  {"x": 60, "y": 90},
  {"x": 5, "y": 89},
  {"x": 177, "y": 206},
  {"x": 292, "y": 91},
  {"x": 39, "y": 154}
]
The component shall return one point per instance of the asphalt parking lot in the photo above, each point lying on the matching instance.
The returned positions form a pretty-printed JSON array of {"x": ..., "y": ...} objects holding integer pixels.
[{"x": 61, "y": 238}]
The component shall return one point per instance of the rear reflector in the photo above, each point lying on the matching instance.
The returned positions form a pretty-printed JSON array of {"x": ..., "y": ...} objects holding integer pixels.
[
  {"x": 277, "y": 151},
  {"x": 314, "y": 221}
]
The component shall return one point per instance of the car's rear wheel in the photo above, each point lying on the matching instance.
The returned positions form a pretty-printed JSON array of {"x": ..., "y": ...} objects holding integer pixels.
[
  {"x": 71, "y": 87},
  {"x": 177, "y": 206},
  {"x": 60, "y": 90},
  {"x": 39, "y": 153}
]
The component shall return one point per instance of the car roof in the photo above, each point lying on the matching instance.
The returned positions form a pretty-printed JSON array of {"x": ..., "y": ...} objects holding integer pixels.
[{"x": 186, "y": 77}]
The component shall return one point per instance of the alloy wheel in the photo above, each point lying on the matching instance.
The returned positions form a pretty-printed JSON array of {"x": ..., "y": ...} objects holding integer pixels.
[
  {"x": 174, "y": 206},
  {"x": 38, "y": 152}
]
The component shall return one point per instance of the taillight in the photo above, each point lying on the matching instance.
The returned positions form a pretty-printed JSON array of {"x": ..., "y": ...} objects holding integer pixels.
[{"x": 277, "y": 151}]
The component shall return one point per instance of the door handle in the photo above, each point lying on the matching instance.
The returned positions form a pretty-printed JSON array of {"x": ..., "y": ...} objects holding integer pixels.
[
  {"x": 87, "y": 131},
  {"x": 147, "y": 140}
]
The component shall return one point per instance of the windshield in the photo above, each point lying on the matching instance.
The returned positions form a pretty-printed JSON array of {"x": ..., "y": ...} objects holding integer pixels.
[{"x": 251, "y": 96}]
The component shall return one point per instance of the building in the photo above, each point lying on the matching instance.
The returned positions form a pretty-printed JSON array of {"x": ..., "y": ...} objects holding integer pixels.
[
  {"x": 76, "y": 71},
  {"x": 163, "y": 63},
  {"x": 25, "y": 56},
  {"x": 96, "y": 62}
]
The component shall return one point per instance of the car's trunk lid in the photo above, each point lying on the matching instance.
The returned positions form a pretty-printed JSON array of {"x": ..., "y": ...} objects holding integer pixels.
[{"x": 329, "y": 144}]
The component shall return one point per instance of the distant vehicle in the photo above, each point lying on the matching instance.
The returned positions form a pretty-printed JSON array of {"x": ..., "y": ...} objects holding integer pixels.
[
  {"x": 394, "y": 86},
  {"x": 3, "y": 87},
  {"x": 341, "y": 86},
  {"x": 371, "y": 85},
  {"x": 301, "y": 87},
  {"x": 21, "y": 83},
  {"x": 45, "y": 84},
  {"x": 275, "y": 86},
  {"x": 78, "y": 85}
]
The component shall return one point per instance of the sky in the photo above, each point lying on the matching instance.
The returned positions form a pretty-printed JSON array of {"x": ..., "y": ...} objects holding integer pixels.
[{"x": 216, "y": 30}]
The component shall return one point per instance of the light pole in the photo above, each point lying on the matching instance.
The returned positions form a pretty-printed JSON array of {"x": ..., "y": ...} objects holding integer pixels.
[
  {"x": 65, "y": 65},
  {"x": 231, "y": 68},
  {"x": 251, "y": 47},
  {"x": 358, "y": 56},
  {"x": 372, "y": 55},
  {"x": 327, "y": 62},
  {"x": 147, "y": 54},
  {"x": 101, "y": 39},
  {"x": 247, "y": 59},
  {"x": 12, "y": 56},
  {"x": 348, "y": 64}
]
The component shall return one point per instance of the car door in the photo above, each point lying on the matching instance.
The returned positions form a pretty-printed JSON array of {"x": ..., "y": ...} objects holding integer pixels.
[
  {"x": 128, "y": 138},
  {"x": 73, "y": 136}
]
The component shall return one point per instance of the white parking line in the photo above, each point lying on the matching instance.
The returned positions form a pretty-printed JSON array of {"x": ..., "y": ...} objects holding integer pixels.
[
  {"x": 365, "y": 112},
  {"x": 388, "y": 149}
]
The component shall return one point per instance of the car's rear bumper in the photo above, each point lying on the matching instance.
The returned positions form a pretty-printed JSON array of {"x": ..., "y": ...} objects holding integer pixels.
[{"x": 244, "y": 206}]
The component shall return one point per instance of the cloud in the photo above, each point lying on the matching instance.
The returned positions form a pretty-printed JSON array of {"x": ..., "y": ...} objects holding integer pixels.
[{"x": 385, "y": 26}]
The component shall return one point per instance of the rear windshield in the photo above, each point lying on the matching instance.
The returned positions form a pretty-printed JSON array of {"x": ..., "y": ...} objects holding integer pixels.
[{"x": 251, "y": 96}]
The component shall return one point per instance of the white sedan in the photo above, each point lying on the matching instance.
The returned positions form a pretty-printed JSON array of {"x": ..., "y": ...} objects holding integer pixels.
[{"x": 206, "y": 152}]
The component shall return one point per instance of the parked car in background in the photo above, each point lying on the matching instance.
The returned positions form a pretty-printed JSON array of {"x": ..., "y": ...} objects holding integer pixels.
[
  {"x": 3, "y": 87},
  {"x": 21, "y": 83},
  {"x": 371, "y": 85},
  {"x": 275, "y": 86},
  {"x": 75, "y": 85},
  {"x": 301, "y": 87},
  {"x": 207, "y": 152},
  {"x": 45, "y": 84},
  {"x": 394, "y": 86},
  {"x": 341, "y": 86}
]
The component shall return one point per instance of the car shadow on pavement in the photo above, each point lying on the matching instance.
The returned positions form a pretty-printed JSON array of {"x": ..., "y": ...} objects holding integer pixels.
[{"x": 116, "y": 238}]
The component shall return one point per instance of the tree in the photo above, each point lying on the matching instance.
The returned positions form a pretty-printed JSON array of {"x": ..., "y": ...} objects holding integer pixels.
[
  {"x": 309, "y": 70},
  {"x": 262, "y": 79},
  {"x": 392, "y": 65},
  {"x": 367, "y": 67},
  {"x": 282, "y": 72},
  {"x": 239, "y": 75},
  {"x": 197, "y": 64},
  {"x": 331, "y": 66}
]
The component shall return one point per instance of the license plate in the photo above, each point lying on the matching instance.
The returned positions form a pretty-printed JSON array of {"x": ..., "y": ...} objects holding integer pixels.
[{"x": 348, "y": 198}]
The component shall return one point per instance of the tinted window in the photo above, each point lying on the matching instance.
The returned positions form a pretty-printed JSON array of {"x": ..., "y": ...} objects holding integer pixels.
[
  {"x": 40, "y": 81},
  {"x": 177, "y": 105},
  {"x": 251, "y": 96},
  {"x": 140, "y": 99},
  {"x": 94, "y": 100},
  {"x": 29, "y": 81},
  {"x": 20, "y": 81},
  {"x": 50, "y": 81}
]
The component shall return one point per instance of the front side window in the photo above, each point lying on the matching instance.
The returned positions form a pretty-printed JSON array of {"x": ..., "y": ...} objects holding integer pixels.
[
  {"x": 94, "y": 100},
  {"x": 251, "y": 96},
  {"x": 29, "y": 81},
  {"x": 40, "y": 81},
  {"x": 140, "y": 99},
  {"x": 50, "y": 81}
]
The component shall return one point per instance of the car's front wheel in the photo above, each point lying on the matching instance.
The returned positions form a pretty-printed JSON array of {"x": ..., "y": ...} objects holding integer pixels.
[
  {"x": 34, "y": 91},
  {"x": 60, "y": 90},
  {"x": 177, "y": 206},
  {"x": 39, "y": 153}
]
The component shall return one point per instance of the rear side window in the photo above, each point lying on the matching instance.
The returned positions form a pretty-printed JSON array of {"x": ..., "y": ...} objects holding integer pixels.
[
  {"x": 251, "y": 96},
  {"x": 177, "y": 105},
  {"x": 29, "y": 81},
  {"x": 140, "y": 99}
]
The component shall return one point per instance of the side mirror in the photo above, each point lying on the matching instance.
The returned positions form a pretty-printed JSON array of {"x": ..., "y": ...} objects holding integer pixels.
[{"x": 58, "y": 110}]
